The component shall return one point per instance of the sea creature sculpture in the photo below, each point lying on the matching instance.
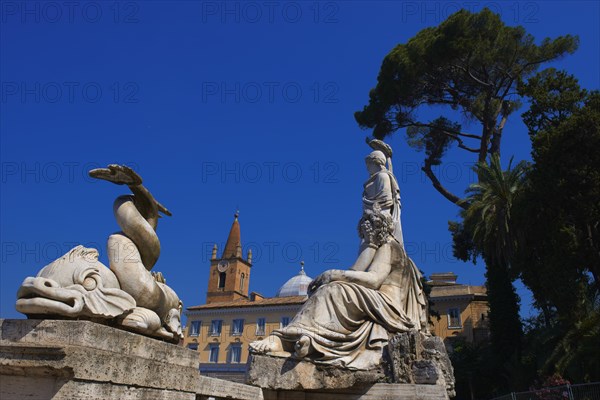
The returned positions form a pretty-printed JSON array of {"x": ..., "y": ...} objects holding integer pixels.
[{"x": 128, "y": 295}]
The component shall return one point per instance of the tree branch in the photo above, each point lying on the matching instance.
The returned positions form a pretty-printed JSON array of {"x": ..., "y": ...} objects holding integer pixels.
[
  {"x": 508, "y": 87},
  {"x": 543, "y": 60},
  {"x": 468, "y": 72},
  {"x": 461, "y": 143},
  {"x": 420, "y": 124},
  {"x": 438, "y": 186}
]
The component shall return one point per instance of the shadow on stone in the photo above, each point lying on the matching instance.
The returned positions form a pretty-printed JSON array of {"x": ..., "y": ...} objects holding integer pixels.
[
  {"x": 11, "y": 330},
  {"x": 409, "y": 358}
]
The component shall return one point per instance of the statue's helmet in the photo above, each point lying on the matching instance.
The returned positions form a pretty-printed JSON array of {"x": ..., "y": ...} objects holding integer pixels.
[{"x": 377, "y": 157}]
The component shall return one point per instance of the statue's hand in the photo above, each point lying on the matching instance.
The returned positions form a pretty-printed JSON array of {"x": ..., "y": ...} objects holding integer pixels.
[{"x": 323, "y": 279}]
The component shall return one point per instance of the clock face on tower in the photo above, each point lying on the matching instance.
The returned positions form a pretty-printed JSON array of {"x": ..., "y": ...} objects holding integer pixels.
[{"x": 223, "y": 265}]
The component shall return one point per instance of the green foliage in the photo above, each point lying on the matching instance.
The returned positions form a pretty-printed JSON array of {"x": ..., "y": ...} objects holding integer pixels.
[
  {"x": 471, "y": 63},
  {"x": 544, "y": 230},
  {"x": 558, "y": 224},
  {"x": 486, "y": 227},
  {"x": 561, "y": 203},
  {"x": 540, "y": 223},
  {"x": 487, "y": 230},
  {"x": 567, "y": 349},
  {"x": 577, "y": 353},
  {"x": 462, "y": 242},
  {"x": 505, "y": 324},
  {"x": 487, "y": 217},
  {"x": 472, "y": 370},
  {"x": 433, "y": 139},
  {"x": 555, "y": 96},
  {"x": 430, "y": 311}
]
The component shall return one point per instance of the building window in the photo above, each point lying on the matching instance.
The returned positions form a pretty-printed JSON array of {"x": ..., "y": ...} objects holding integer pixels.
[
  {"x": 195, "y": 328},
  {"x": 214, "y": 353},
  {"x": 215, "y": 327},
  {"x": 222, "y": 277},
  {"x": 242, "y": 279},
  {"x": 260, "y": 326},
  {"x": 237, "y": 328},
  {"x": 235, "y": 353},
  {"x": 193, "y": 346},
  {"x": 285, "y": 321},
  {"x": 454, "y": 318}
]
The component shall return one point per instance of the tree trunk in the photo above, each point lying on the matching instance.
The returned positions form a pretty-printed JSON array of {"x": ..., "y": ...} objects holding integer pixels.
[{"x": 505, "y": 324}]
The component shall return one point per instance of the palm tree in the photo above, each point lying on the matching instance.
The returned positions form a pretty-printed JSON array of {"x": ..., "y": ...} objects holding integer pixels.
[
  {"x": 487, "y": 221},
  {"x": 489, "y": 204}
]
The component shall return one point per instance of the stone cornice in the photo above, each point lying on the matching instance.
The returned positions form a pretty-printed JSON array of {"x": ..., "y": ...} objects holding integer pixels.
[{"x": 242, "y": 310}]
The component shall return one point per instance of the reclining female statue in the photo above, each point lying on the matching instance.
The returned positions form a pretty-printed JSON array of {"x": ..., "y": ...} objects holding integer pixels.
[{"x": 349, "y": 314}]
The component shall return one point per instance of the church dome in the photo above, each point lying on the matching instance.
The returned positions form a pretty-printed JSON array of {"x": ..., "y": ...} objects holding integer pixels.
[{"x": 296, "y": 286}]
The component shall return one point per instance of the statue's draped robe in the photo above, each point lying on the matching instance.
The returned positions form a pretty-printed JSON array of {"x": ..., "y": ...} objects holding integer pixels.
[
  {"x": 383, "y": 188},
  {"x": 348, "y": 324}
]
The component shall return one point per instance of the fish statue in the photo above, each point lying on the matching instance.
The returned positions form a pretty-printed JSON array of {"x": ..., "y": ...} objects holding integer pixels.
[{"x": 127, "y": 294}]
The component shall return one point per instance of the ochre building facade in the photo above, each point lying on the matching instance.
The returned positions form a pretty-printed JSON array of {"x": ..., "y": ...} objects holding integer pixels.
[
  {"x": 222, "y": 328},
  {"x": 463, "y": 309},
  {"x": 232, "y": 317}
]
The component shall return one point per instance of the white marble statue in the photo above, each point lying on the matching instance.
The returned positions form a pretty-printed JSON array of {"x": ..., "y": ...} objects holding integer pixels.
[
  {"x": 350, "y": 313},
  {"x": 77, "y": 285}
]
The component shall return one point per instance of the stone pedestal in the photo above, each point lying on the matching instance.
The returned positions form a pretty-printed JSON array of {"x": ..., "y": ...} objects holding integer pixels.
[
  {"x": 414, "y": 358},
  {"x": 378, "y": 391},
  {"x": 50, "y": 359},
  {"x": 413, "y": 366},
  {"x": 57, "y": 359},
  {"x": 277, "y": 373}
]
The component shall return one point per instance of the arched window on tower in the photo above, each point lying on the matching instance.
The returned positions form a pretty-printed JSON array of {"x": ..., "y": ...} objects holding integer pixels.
[
  {"x": 222, "y": 277},
  {"x": 242, "y": 281}
]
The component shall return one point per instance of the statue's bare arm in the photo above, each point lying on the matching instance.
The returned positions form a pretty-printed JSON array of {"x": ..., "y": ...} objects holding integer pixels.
[
  {"x": 372, "y": 278},
  {"x": 363, "y": 262}
]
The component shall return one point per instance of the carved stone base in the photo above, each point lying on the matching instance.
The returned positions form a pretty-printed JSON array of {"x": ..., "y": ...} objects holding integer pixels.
[
  {"x": 57, "y": 359},
  {"x": 279, "y": 373},
  {"x": 410, "y": 360},
  {"x": 378, "y": 391},
  {"x": 415, "y": 358}
]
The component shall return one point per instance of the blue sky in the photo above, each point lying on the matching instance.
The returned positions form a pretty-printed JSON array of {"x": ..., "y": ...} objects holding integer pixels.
[{"x": 224, "y": 106}]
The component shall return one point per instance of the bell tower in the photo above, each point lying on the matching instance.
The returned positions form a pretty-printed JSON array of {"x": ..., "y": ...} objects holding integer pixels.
[{"x": 229, "y": 275}]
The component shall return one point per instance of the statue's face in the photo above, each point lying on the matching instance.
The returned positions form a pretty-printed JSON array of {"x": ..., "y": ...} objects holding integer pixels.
[{"x": 372, "y": 166}]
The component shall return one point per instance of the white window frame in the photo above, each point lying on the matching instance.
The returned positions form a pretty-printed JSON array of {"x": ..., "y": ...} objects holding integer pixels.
[
  {"x": 235, "y": 349},
  {"x": 196, "y": 332},
  {"x": 214, "y": 349},
  {"x": 452, "y": 319},
  {"x": 214, "y": 332},
  {"x": 261, "y": 328},
  {"x": 285, "y": 321},
  {"x": 234, "y": 327}
]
